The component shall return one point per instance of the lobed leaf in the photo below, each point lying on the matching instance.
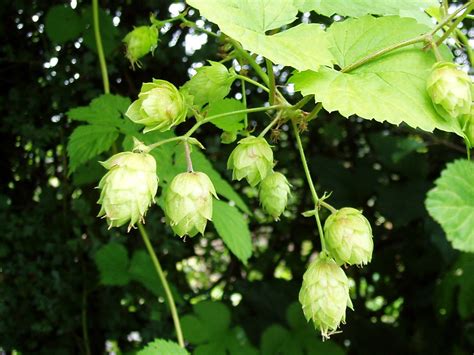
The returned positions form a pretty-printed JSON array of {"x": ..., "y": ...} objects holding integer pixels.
[{"x": 162, "y": 347}]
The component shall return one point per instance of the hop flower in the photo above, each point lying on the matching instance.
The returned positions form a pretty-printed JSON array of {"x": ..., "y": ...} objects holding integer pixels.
[
  {"x": 128, "y": 188},
  {"x": 251, "y": 159},
  {"x": 274, "y": 192},
  {"x": 160, "y": 106},
  {"x": 139, "y": 42},
  {"x": 324, "y": 295},
  {"x": 349, "y": 237},
  {"x": 188, "y": 203},
  {"x": 449, "y": 89}
]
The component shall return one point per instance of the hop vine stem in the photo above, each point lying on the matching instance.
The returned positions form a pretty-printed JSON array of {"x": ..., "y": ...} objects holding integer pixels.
[
  {"x": 169, "y": 295},
  {"x": 100, "y": 48}
]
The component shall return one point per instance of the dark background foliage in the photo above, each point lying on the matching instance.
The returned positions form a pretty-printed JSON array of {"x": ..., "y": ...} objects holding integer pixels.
[{"x": 407, "y": 301}]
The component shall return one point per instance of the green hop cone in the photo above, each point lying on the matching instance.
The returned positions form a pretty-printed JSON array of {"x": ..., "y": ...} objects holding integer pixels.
[
  {"x": 251, "y": 159},
  {"x": 128, "y": 188},
  {"x": 348, "y": 237},
  {"x": 450, "y": 90},
  {"x": 273, "y": 194},
  {"x": 324, "y": 295},
  {"x": 188, "y": 203},
  {"x": 159, "y": 106},
  {"x": 139, "y": 42}
]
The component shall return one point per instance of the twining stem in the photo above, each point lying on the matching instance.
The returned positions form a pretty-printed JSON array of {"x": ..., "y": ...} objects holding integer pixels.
[
  {"x": 272, "y": 123},
  {"x": 192, "y": 24},
  {"x": 253, "y": 82},
  {"x": 100, "y": 48},
  {"x": 328, "y": 206},
  {"x": 169, "y": 140},
  {"x": 314, "y": 194},
  {"x": 271, "y": 79},
  {"x": 302, "y": 102},
  {"x": 314, "y": 113},
  {"x": 169, "y": 295},
  {"x": 246, "y": 55},
  {"x": 436, "y": 51},
  {"x": 244, "y": 101},
  {"x": 187, "y": 153},
  {"x": 465, "y": 41},
  {"x": 448, "y": 19},
  {"x": 454, "y": 25}
]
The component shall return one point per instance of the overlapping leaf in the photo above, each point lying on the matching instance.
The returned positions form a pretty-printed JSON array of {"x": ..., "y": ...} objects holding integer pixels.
[
  {"x": 451, "y": 204},
  {"x": 390, "y": 88},
  {"x": 305, "y": 46}
]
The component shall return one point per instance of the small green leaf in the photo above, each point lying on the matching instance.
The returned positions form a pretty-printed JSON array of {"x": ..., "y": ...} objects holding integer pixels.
[
  {"x": 451, "y": 204},
  {"x": 233, "y": 229},
  {"x": 106, "y": 109},
  {"x": 143, "y": 271},
  {"x": 303, "y": 47},
  {"x": 390, "y": 88},
  {"x": 229, "y": 123},
  {"x": 211, "y": 82},
  {"x": 162, "y": 347},
  {"x": 62, "y": 24},
  {"x": 112, "y": 262},
  {"x": 86, "y": 142}
]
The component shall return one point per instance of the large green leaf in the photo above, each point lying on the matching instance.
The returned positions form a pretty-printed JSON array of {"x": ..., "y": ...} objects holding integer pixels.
[
  {"x": 162, "y": 347},
  {"x": 390, "y": 88},
  {"x": 106, "y": 109},
  {"x": 305, "y": 46},
  {"x": 112, "y": 262},
  {"x": 233, "y": 229},
  {"x": 358, "y": 8},
  {"x": 451, "y": 204},
  {"x": 229, "y": 123},
  {"x": 86, "y": 142},
  {"x": 62, "y": 24}
]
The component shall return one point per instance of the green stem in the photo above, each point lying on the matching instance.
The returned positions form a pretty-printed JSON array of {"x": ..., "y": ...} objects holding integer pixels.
[
  {"x": 187, "y": 154},
  {"x": 271, "y": 79},
  {"x": 454, "y": 25},
  {"x": 246, "y": 55},
  {"x": 314, "y": 113},
  {"x": 210, "y": 118},
  {"x": 465, "y": 41},
  {"x": 328, "y": 206},
  {"x": 169, "y": 140},
  {"x": 383, "y": 51},
  {"x": 302, "y": 102},
  {"x": 436, "y": 51},
  {"x": 85, "y": 333},
  {"x": 450, "y": 17},
  {"x": 169, "y": 295},
  {"x": 100, "y": 48},
  {"x": 244, "y": 101},
  {"x": 192, "y": 24},
  {"x": 314, "y": 194},
  {"x": 253, "y": 82},
  {"x": 272, "y": 123}
]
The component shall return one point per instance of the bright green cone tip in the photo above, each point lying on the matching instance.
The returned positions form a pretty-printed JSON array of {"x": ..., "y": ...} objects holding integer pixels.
[
  {"x": 348, "y": 237},
  {"x": 159, "y": 106},
  {"x": 450, "y": 90},
  {"x": 274, "y": 193},
  {"x": 139, "y": 42},
  {"x": 324, "y": 295},
  {"x": 252, "y": 159},
  {"x": 188, "y": 203},
  {"x": 128, "y": 188}
]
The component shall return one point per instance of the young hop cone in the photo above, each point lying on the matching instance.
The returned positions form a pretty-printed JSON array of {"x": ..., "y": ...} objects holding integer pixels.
[
  {"x": 324, "y": 295},
  {"x": 188, "y": 203},
  {"x": 139, "y": 42},
  {"x": 159, "y": 106},
  {"x": 348, "y": 237},
  {"x": 251, "y": 159},
  {"x": 273, "y": 194},
  {"x": 128, "y": 188},
  {"x": 450, "y": 90}
]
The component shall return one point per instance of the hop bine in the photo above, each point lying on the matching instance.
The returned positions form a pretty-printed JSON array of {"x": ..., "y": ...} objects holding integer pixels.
[
  {"x": 348, "y": 237},
  {"x": 159, "y": 106},
  {"x": 324, "y": 295},
  {"x": 188, "y": 203},
  {"x": 252, "y": 159},
  {"x": 128, "y": 188}
]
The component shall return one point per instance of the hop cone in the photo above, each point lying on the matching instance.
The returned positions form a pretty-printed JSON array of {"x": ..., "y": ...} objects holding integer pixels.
[
  {"x": 139, "y": 42},
  {"x": 160, "y": 106},
  {"x": 450, "y": 90},
  {"x": 128, "y": 188},
  {"x": 324, "y": 295},
  {"x": 348, "y": 237},
  {"x": 251, "y": 159},
  {"x": 188, "y": 203},
  {"x": 274, "y": 192}
]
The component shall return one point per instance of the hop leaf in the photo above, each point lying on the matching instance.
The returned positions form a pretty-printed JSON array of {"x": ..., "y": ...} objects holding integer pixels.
[
  {"x": 188, "y": 203},
  {"x": 349, "y": 237},
  {"x": 159, "y": 106},
  {"x": 324, "y": 295},
  {"x": 273, "y": 194},
  {"x": 450, "y": 90},
  {"x": 251, "y": 159},
  {"x": 128, "y": 188},
  {"x": 139, "y": 42}
]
